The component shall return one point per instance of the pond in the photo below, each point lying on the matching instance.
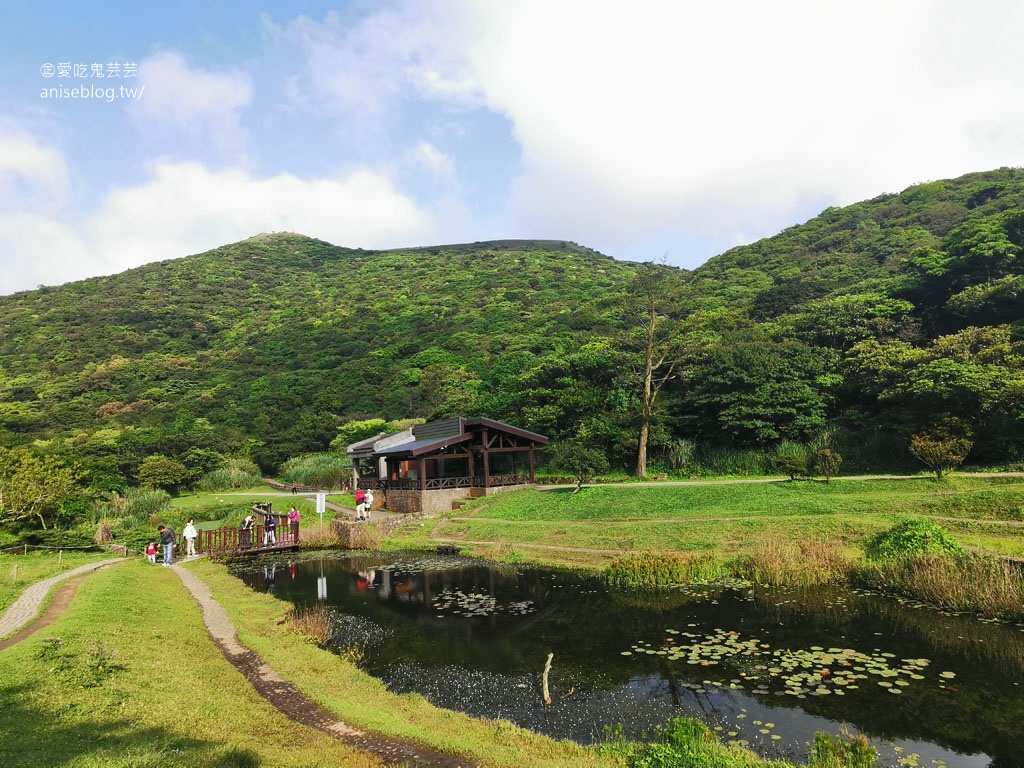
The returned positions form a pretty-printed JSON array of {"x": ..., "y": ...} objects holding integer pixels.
[{"x": 764, "y": 667}]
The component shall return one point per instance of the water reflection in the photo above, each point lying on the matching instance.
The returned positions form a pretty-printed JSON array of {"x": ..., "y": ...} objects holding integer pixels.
[{"x": 764, "y": 667}]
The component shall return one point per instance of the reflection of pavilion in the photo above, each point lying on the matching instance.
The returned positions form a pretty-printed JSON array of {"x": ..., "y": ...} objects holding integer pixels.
[
  {"x": 427, "y": 467},
  {"x": 422, "y": 588}
]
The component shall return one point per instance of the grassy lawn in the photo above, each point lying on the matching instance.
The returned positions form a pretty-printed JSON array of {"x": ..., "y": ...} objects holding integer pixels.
[
  {"x": 558, "y": 527},
  {"x": 18, "y": 571},
  {"x": 165, "y": 696}
]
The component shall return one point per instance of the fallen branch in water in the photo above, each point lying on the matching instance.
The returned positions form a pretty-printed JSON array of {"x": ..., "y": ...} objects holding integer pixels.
[{"x": 544, "y": 681}]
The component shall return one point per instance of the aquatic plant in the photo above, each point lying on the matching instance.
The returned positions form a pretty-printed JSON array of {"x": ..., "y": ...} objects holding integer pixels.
[{"x": 842, "y": 751}]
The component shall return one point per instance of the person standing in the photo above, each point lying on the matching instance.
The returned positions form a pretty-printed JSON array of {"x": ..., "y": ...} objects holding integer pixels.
[
  {"x": 245, "y": 532},
  {"x": 293, "y": 520},
  {"x": 295, "y": 487},
  {"x": 368, "y": 505},
  {"x": 190, "y": 533},
  {"x": 151, "y": 552},
  {"x": 167, "y": 542},
  {"x": 360, "y": 504},
  {"x": 270, "y": 532}
]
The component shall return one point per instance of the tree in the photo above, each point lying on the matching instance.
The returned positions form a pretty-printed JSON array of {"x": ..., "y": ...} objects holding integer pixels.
[
  {"x": 575, "y": 459},
  {"x": 826, "y": 463},
  {"x": 162, "y": 472},
  {"x": 940, "y": 450},
  {"x": 658, "y": 333},
  {"x": 33, "y": 485}
]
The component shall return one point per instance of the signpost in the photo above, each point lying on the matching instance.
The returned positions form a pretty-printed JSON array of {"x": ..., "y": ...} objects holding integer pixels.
[{"x": 321, "y": 506}]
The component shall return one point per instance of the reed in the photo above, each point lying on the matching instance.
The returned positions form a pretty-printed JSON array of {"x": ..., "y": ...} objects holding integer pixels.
[
  {"x": 780, "y": 561},
  {"x": 662, "y": 569},
  {"x": 969, "y": 583},
  {"x": 312, "y": 623}
]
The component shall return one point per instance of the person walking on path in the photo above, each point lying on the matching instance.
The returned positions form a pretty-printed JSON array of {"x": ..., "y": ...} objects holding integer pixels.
[
  {"x": 190, "y": 533},
  {"x": 295, "y": 487},
  {"x": 151, "y": 552},
  {"x": 368, "y": 505},
  {"x": 167, "y": 542},
  {"x": 360, "y": 504},
  {"x": 293, "y": 520}
]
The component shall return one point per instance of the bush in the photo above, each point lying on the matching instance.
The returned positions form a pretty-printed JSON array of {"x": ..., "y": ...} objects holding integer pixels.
[
  {"x": 826, "y": 463},
  {"x": 913, "y": 537},
  {"x": 792, "y": 465}
]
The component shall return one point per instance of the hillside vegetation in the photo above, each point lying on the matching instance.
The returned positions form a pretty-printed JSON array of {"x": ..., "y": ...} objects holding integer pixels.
[{"x": 896, "y": 316}]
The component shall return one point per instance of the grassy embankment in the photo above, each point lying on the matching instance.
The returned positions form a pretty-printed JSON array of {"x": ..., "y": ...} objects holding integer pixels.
[
  {"x": 727, "y": 520},
  {"x": 128, "y": 677}
]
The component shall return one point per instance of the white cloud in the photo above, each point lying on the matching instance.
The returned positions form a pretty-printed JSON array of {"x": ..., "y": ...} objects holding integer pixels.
[
  {"x": 186, "y": 111},
  {"x": 185, "y": 208},
  {"x": 362, "y": 73},
  {"x": 179, "y": 94},
  {"x": 38, "y": 250},
  {"x": 715, "y": 119},
  {"x": 33, "y": 177}
]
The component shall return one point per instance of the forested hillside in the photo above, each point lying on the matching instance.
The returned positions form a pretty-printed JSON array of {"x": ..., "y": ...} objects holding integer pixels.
[{"x": 857, "y": 329}]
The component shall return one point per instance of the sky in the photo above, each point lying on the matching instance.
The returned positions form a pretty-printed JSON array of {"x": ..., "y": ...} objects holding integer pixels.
[{"x": 648, "y": 130}]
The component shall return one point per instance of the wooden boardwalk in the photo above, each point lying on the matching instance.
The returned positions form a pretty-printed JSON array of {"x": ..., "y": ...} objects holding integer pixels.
[{"x": 250, "y": 542}]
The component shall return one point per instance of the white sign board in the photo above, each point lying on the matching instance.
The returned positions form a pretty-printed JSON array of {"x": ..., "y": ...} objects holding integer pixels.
[{"x": 321, "y": 506}]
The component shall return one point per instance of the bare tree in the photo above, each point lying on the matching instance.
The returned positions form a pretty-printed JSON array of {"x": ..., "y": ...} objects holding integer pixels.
[{"x": 658, "y": 332}]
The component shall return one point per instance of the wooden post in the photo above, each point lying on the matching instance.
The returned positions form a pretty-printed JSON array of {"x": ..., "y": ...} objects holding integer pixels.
[
  {"x": 60, "y": 559},
  {"x": 544, "y": 680}
]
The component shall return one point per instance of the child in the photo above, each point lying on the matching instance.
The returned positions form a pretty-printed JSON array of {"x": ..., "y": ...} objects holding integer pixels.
[{"x": 151, "y": 552}]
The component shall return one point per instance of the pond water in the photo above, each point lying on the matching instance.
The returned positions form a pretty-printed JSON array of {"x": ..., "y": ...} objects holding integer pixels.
[{"x": 765, "y": 667}]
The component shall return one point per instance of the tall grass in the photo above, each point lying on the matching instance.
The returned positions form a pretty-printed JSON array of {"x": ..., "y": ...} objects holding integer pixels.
[
  {"x": 662, "y": 569},
  {"x": 782, "y": 561},
  {"x": 135, "y": 507},
  {"x": 318, "y": 470},
  {"x": 312, "y": 623},
  {"x": 236, "y": 473},
  {"x": 970, "y": 583}
]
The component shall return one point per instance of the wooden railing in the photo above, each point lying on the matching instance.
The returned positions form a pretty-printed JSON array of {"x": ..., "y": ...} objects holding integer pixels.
[
  {"x": 236, "y": 540},
  {"x": 443, "y": 483}
]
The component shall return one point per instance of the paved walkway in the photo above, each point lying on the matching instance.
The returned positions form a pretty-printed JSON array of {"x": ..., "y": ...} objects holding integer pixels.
[{"x": 27, "y": 606}]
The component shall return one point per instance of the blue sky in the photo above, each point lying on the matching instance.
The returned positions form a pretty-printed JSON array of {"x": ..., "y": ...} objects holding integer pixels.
[{"x": 646, "y": 130}]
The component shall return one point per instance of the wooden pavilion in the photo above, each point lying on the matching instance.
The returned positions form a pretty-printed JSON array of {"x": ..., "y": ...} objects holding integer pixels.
[{"x": 430, "y": 466}]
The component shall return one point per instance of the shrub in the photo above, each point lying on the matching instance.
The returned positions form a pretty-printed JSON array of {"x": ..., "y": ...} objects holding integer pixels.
[
  {"x": 578, "y": 461},
  {"x": 792, "y": 465},
  {"x": 826, "y": 463},
  {"x": 913, "y": 537}
]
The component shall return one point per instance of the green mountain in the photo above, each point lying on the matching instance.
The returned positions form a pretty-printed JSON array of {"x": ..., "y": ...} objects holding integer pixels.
[{"x": 862, "y": 326}]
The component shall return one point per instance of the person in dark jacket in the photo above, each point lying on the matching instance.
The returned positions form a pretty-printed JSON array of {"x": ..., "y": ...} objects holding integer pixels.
[{"x": 167, "y": 542}]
